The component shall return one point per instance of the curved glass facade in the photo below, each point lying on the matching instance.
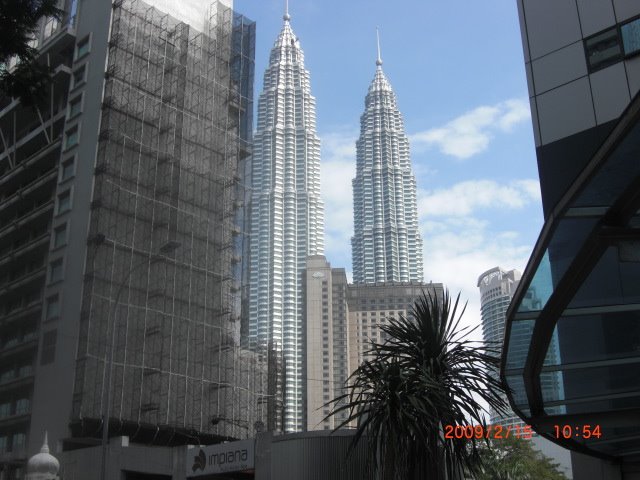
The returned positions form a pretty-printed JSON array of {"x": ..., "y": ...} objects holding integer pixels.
[{"x": 572, "y": 346}]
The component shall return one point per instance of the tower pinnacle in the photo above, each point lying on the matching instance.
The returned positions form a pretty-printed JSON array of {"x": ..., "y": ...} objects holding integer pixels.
[
  {"x": 379, "y": 59},
  {"x": 286, "y": 17}
]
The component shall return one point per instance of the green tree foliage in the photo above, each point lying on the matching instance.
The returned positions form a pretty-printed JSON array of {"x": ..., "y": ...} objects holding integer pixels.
[
  {"x": 426, "y": 375},
  {"x": 18, "y": 25},
  {"x": 515, "y": 459}
]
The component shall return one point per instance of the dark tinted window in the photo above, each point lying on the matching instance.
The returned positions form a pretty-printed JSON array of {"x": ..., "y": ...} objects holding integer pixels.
[{"x": 603, "y": 49}]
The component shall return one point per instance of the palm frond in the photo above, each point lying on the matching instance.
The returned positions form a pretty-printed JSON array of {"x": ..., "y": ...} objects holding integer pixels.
[{"x": 425, "y": 375}]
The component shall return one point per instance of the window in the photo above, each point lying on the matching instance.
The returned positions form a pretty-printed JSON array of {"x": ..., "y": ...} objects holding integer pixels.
[
  {"x": 630, "y": 33},
  {"x": 60, "y": 236},
  {"x": 83, "y": 47},
  {"x": 19, "y": 440},
  {"x": 22, "y": 406},
  {"x": 79, "y": 75},
  {"x": 48, "y": 353},
  {"x": 3, "y": 443},
  {"x": 75, "y": 106},
  {"x": 53, "y": 307},
  {"x": 71, "y": 137},
  {"x": 64, "y": 202},
  {"x": 603, "y": 49},
  {"x": 67, "y": 169},
  {"x": 55, "y": 271},
  {"x": 11, "y": 340}
]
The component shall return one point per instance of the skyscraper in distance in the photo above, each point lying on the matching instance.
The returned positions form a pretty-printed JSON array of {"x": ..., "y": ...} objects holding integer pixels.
[
  {"x": 497, "y": 287},
  {"x": 287, "y": 213},
  {"x": 386, "y": 245}
]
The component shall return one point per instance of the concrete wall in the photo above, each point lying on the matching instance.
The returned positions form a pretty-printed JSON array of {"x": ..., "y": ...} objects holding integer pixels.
[
  {"x": 311, "y": 456},
  {"x": 316, "y": 455},
  {"x": 53, "y": 389},
  {"x": 85, "y": 464}
]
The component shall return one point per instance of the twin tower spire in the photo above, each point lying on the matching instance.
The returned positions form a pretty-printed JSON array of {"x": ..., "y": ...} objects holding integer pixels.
[{"x": 287, "y": 211}]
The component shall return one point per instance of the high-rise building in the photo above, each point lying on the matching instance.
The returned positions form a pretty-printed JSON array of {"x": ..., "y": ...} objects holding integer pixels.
[
  {"x": 386, "y": 245},
  {"x": 121, "y": 235},
  {"x": 340, "y": 322},
  {"x": 326, "y": 341},
  {"x": 287, "y": 213},
  {"x": 497, "y": 287},
  {"x": 581, "y": 284}
]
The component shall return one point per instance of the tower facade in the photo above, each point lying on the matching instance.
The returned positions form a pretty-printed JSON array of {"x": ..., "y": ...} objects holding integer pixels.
[
  {"x": 497, "y": 287},
  {"x": 386, "y": 246},
  {"x": 287, "y": 213}
]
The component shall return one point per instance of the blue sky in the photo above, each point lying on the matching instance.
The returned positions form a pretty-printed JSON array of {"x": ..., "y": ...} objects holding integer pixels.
[{"x": 458, "y": 71}]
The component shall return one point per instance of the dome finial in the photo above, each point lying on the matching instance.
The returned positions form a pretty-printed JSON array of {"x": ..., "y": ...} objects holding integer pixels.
[
  {"x": 286, "y": 15},
  {"x": 43, "y": 465},
  {"x": 45, "y": 444},
  {"x": 379, "y": 59}
]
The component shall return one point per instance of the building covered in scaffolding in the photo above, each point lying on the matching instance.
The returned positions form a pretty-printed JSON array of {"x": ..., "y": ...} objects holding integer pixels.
[{"x": 122, "y": 234}]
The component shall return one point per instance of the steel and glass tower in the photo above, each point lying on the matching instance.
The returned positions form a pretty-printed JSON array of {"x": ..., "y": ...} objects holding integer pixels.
[
  {"x": 497, "y": 287},
  {"x": 287, "y": 223},
  {"x": 386, "y": 246}
]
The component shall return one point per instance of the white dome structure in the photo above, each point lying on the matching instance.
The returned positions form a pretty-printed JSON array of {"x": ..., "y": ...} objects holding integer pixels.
[{"x": 43, "y": 465}]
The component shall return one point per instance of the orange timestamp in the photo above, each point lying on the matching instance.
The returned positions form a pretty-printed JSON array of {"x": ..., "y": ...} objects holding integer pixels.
[
  {"x": 488, "y": 431},
  {"x": 577, "y": 431}
]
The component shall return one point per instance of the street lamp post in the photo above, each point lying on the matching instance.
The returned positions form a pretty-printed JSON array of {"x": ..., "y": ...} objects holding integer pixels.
[{"x": 165, "y": 249}]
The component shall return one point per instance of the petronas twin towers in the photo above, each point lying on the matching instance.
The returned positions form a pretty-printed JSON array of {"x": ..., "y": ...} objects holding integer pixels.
[
  {"x": 287, "y": 212},
  {"x": 386, "y": 245}
]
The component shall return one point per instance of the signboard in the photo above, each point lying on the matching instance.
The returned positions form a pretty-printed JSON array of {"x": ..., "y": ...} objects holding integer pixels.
[{"x": 221, "y": 458}]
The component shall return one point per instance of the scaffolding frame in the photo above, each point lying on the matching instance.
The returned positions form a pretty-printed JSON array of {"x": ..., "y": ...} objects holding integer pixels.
[{"x": 169, "y": 169}]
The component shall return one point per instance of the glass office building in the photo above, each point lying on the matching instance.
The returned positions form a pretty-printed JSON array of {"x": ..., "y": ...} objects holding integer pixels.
[{"x": 576, "y": 312}]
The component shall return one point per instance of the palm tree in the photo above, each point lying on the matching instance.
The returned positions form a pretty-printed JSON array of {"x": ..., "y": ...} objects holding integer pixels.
[{"x": 425, "y": 376}]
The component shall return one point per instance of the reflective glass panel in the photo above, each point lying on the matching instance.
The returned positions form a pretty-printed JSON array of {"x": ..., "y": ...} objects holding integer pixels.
[
  {"x": 566, "y": 241},
  {"x": 552, "y": 387},
  {"x": 603, "y": 336},
  {"x": 540, "y": 288},
  {"x": 588, "y": 382},
  {"x": 631, "y": 37},
  {"x": 618, "y": 266},
  {"x": 557, "y": 410},
  {"x": 619, "y": 170},
  {"x": 516, "y": 383},
  {"x": 593, "y": 407},
  {"x": 519, "y": 341},
  {"x": 553, "y": 351}
]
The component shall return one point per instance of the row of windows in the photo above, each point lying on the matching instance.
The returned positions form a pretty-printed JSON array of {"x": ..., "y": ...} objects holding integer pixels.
[
  {"x": 64, "y": 199},
  {"x": 7, "y": 444},
  {"x": 17, "y": 337},
  {"x": 14, "y": 373},
  {"x": 19, "y": 407}
]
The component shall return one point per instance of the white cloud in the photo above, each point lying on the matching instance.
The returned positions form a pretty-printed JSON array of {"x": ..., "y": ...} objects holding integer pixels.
[
  {"x": 463, "y": 198},
  {"x": 471, "y": 132},
  {"x": 457, "y": 251},
  {"x": 463, "y": 237},
  {"x": 338, "y": 167}
]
